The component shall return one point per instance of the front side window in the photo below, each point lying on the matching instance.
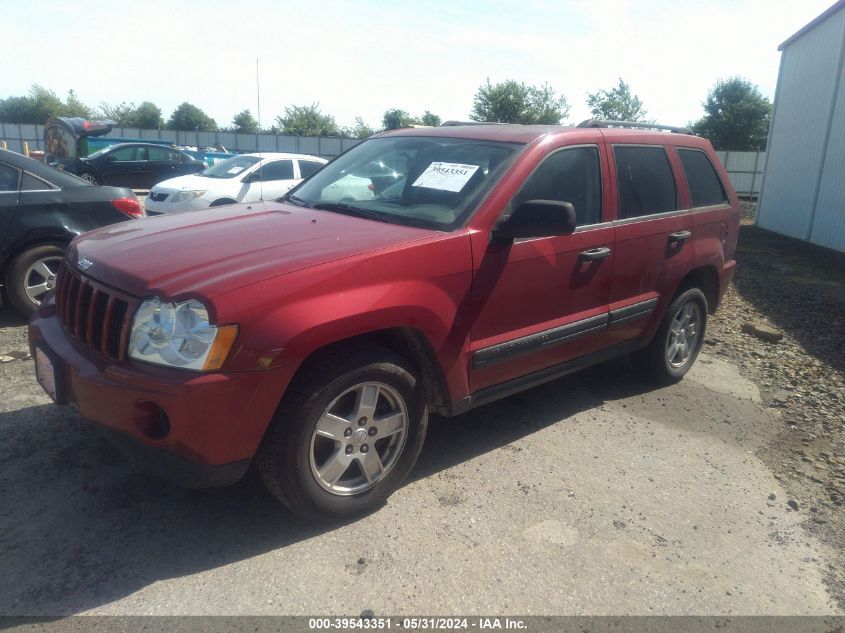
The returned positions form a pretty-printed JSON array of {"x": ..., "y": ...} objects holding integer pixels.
[
  {"x": 705, "y": 187},
  {"x": 128, "y": 154},
  {"x": 434, "y": 182},
  {"x": 277, "y": 170},
  {"x": 570, "y": 175},
  {"x": 8, "y": 178},
  {"x": 645, "y": 181}
]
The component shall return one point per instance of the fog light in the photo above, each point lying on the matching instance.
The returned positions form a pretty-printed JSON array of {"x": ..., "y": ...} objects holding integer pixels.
[{"x": 151, "y": 420}]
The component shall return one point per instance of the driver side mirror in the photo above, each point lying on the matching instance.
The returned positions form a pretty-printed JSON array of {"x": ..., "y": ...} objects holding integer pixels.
[
  {"x": 249, "y": 178},
  {"x": 537, "y": 218}
]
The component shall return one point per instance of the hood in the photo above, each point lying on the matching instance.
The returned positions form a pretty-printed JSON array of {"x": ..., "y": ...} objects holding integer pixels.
[
  {"x": 208, "y": 252},
  {"x": 191, "y": 181}
]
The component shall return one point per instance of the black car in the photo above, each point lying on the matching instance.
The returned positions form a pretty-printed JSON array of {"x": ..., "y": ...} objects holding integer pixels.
[
  {"x": 134, "y": 165},
  {"x": 41, "y": 210}
]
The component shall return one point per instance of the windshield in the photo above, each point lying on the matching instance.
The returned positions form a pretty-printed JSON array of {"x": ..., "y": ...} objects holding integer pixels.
[
  {"x": 230, "y": 167},
  {"x": 425, "y": 181}
]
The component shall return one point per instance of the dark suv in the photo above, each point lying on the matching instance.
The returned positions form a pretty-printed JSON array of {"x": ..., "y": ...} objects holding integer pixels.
[{"x": 314, "y": 337}]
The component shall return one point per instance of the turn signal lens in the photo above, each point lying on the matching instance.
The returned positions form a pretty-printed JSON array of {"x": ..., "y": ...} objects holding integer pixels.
[{"x": 226, "y": 335}]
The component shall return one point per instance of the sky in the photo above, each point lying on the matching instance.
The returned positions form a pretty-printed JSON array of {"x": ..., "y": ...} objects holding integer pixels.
[{"x": 361, "y": 57}]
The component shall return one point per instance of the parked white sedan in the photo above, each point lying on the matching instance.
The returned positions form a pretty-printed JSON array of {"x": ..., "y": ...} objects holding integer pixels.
[{"x": 242, "y": 178}]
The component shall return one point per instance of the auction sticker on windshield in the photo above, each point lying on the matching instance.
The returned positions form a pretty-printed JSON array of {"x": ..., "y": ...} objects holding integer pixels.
[{"x": 445, "y": 176}]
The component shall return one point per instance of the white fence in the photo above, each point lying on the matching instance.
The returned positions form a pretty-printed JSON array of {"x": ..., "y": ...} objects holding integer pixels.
[
  {"x": 744, "y": 168},
  {"x": 16, "y": 134}
]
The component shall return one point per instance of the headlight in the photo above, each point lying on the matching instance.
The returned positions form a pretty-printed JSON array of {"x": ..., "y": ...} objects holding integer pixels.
[
  {"x": 187, "y": 195},
  {"x": 179, "y": 335}
]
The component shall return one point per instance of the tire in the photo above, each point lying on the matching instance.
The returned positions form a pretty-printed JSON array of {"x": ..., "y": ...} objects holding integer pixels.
[
  {"x": 299, "y": 465},
  {"x": 221, "y": 202},
  {"x": 667, "y": 365},
  {"x": 29, "y": 271},
  {"x": 90, "y": 177}
]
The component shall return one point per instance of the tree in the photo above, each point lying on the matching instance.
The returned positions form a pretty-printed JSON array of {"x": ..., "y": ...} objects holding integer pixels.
[
  {"x": 546, "y": 106},
  {"x": 429, "y": 118},
  {"x": 45, "y": 104},
  {"x": 189, "y": 117},
  {"x": 121, "y": 114},
  {"x": 514, "y": 102},
  {"x": 18, "y": 110},
  {"x": 74, "y": 107},
  {"x": 359, "y": 130},
  {"x": 307, "y": 121},
  {"x": 736, "y": 116},
  {"x": 616, "y": 104},
  {"x": 395, "y": 119},
  {"x": 245, "y": 123},
  {"x": 146, "y": 116}
]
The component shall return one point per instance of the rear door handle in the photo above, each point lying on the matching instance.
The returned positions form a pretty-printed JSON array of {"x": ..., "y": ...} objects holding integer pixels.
[
  {"x": 680, "y": 236},
  {"x": 595, "y": 254}
]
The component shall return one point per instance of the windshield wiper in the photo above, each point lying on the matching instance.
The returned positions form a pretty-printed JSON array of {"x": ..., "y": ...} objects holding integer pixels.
[
  {"x": 348, "y": 209},
  {"x": 294, "y": 199}
]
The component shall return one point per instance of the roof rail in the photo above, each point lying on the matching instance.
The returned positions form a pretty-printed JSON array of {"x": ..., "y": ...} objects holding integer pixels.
[
  {"x": 635, "y": 124},
  {"x": 453, "y": 123}
]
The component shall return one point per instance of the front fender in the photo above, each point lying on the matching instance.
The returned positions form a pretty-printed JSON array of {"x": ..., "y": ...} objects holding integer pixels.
[{"x": 425, "y": 288}]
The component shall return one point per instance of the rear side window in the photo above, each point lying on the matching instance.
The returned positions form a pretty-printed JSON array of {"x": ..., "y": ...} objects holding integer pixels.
[
  {"x": 161, "y": 153},
  {"x": 705, "y": 187},
  {"x": 277, "y": 170},
  {"x": 8, "y": 178},
  {"x": 645, "y": 180},
  {"x": 308, "y": 167},
  {"x": 570, "y": 175}
]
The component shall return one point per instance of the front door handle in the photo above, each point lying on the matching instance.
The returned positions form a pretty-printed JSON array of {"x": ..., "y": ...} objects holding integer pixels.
[
  {"x": 595, "y": 254},
  {"x": 680, "y": 236}
]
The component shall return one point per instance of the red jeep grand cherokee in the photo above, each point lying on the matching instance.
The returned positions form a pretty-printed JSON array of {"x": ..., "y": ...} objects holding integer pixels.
[{"x": 425, "y": 270}]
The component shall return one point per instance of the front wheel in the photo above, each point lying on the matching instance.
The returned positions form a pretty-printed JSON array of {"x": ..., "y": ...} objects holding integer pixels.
[
  {"x": 674, "y": 348},
  {"x": 346, "y": 436}
]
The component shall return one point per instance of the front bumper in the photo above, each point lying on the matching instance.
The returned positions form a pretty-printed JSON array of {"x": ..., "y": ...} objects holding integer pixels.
[
  {"x": 213, "y": 423},
  {"x": 167, "y": 207}
]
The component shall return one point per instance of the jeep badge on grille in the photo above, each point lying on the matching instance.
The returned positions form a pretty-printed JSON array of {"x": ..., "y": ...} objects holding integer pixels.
[{"x": 84, "y": 264}]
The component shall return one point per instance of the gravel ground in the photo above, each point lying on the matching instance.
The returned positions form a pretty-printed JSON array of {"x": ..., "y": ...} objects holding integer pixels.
[
  {"x": 716, "y": 495},
  {"x": 797, "y": 290}
]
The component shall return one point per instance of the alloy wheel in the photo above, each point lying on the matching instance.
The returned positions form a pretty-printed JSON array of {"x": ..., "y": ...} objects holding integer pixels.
[
  {"x": 683, "y": 334},
  {"x": 358, "y": 438},
  {"x": 41, "y": 277}
]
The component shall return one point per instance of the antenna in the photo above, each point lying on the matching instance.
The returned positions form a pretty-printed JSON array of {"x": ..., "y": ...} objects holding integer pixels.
[{"x": 258, "y": 118}]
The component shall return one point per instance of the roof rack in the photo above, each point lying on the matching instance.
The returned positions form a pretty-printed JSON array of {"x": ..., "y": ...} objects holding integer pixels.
[
  {"x": 453, "y": 123},
  {"x": 635, "y": 124}
]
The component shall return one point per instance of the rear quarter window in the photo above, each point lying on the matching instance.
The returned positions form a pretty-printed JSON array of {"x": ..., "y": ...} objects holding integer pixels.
[
  {"x": 308, "y": 167},
  {"x": 9, "y": 177},
  {"x": 645, "y": 181},
  {"x": 705, "y": 186}
]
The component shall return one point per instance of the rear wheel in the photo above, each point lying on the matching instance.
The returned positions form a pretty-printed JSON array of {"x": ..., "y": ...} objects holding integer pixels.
[
  {"x": 346, "y": 436},
  {"x": 674, "y": 348},
  {"x": 31, "y": 275},
  {"x": 90, "y": 177}
]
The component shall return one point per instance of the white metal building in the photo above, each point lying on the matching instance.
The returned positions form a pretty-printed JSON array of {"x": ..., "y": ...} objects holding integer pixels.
[{"x": 803, "y": 191}]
